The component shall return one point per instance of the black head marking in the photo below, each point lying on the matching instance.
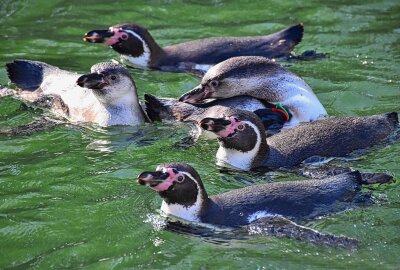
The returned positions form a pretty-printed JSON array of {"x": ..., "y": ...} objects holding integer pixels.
[
  {"x": 242, "y": 140},
  {"x": 132, "y": 38},
  {"x": 186, "y": 187}
]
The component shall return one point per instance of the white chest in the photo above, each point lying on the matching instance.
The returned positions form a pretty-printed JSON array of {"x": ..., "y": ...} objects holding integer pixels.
[
  {"x": 237, "y": 159},
  {"x": 177, "y": 210}
]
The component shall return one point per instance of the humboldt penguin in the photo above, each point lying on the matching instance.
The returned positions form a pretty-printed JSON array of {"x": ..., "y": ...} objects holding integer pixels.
[
  {"x": 263, "y": 79},
  {"x": 138, "y": 47},
  {"x": 266, "y": 208},
  {"x": 107, "y": 96},
  {"x": 243, "y": 144}
]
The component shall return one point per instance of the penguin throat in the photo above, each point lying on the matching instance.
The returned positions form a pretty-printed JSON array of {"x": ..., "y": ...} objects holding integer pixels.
[
  {"x": 120, "y": 111},
  {"x": 243, "y": 160}
]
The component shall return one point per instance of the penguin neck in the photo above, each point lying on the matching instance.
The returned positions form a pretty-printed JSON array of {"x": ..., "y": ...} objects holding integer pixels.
[
  {"x": 192, "y": 212},
  {"x": 152, "y": 52},
  {"x": 244, "y": 160},
  {"x": 123, "y": 111}
]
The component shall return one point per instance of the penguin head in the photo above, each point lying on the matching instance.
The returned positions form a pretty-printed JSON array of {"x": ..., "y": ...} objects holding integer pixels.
[
  {"x": 238, "y": 130},
  {"x": 110, "y": 82},
  {"x": 237, "y": 76},
  {"x": 177, "y": 183},
  {"x": 126, "y": 38}
]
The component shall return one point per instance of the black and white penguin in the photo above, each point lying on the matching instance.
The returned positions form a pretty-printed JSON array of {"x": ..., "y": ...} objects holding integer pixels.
[
  {"x": 185, "y": 197},
  {"x": 243, "y": 143},
  {"x": 136, "y": 45},
  {"x": 170, "y": 109},
  {"x": 263, "y": 79},
  {"x": 107, "y": 96}
]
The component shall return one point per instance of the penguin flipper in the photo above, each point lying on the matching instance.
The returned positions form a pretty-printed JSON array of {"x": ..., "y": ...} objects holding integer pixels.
[
  {"x": 279, "y": 226},
  {"x": 26, "y": 74}
]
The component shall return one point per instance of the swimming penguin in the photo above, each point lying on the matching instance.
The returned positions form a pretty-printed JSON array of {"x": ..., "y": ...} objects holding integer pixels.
[
  {"x": 243, "y": 144},
  {"x": 170, "y": 109},
  {"x": 136, "y": 45},
  {"x": 185, "y": 197},
  {"x": 107, "y": 96},
  {"x": 262, "y": 79}
]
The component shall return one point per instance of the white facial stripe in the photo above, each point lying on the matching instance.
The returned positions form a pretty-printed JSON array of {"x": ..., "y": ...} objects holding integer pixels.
[
  {"x": 238, "y": 159},
  {"x": 188, "y": 213},
  {"x": 258, "y": 215},
  {"x": 144, "y": 59}
]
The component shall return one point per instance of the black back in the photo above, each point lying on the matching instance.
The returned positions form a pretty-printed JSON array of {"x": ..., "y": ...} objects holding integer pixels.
[{"x": 296, "y": 199}]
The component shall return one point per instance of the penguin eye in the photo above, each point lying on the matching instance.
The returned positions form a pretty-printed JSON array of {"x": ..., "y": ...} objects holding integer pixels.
[
  {"x": 113, "y": 77},
  {"x": 214, "y": 83},
  {"x": 124, "y": 36},
  {"x": 180, "y": 179},
  {"x": 240, "y": 127}
]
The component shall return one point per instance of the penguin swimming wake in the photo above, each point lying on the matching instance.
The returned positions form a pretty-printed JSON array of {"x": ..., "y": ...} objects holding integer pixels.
[
  {"x": 263, "y": 79},
  {"x": 136, "y": 45},
  {"x": 107, "y": 96},
  {"x": 243, "y": 144},
  {"x": 185, "y": 197}
]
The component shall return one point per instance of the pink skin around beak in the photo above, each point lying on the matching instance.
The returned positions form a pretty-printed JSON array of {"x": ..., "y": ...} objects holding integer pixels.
[
  {"x": 231, "y": 129},
  {"x": 165, "y": 185},
  {"x": 117, "y": 37}
]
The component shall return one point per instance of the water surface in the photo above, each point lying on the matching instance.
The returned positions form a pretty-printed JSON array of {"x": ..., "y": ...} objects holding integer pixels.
[{"x": 69, "y": 197}]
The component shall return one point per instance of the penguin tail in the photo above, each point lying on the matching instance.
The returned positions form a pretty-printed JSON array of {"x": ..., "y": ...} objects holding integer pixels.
[
  {"x": 294, "y": 33},
  {"x": 393, "y": 118},
  {"x": 154, "y": 107},
  {"x": 26, "y": 74}
]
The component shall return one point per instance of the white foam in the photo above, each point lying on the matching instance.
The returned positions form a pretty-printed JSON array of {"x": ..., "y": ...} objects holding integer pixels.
[{"x": 257, "y": 215}]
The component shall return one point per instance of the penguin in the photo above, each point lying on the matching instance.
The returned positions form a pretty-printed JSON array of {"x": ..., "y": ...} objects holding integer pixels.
[
  {"x": 107, "y": 96},
  {"x": 185, "y": 197},
  {"x": 244, "y": 146},
  {"x": 135, "y": 44},
  {"x": 263, "y": 79},
  {"x": 170, "y": 109}
]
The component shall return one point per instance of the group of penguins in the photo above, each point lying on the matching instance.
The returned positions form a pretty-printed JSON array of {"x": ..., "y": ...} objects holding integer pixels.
[{"x": 262, "y": 115}]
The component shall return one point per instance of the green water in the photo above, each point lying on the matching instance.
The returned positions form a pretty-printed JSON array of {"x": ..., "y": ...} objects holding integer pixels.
[{"x": 68, "y": 196}]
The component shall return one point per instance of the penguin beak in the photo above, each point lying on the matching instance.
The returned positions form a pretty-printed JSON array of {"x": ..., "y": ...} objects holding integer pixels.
[
  {"x": 197, "y": 94},
  {"x": 92, "y": 81},
  {"x": 214, "y": 124},
  {"x": 152, "y": 179},
  {"x": 97, "y": 36}
]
